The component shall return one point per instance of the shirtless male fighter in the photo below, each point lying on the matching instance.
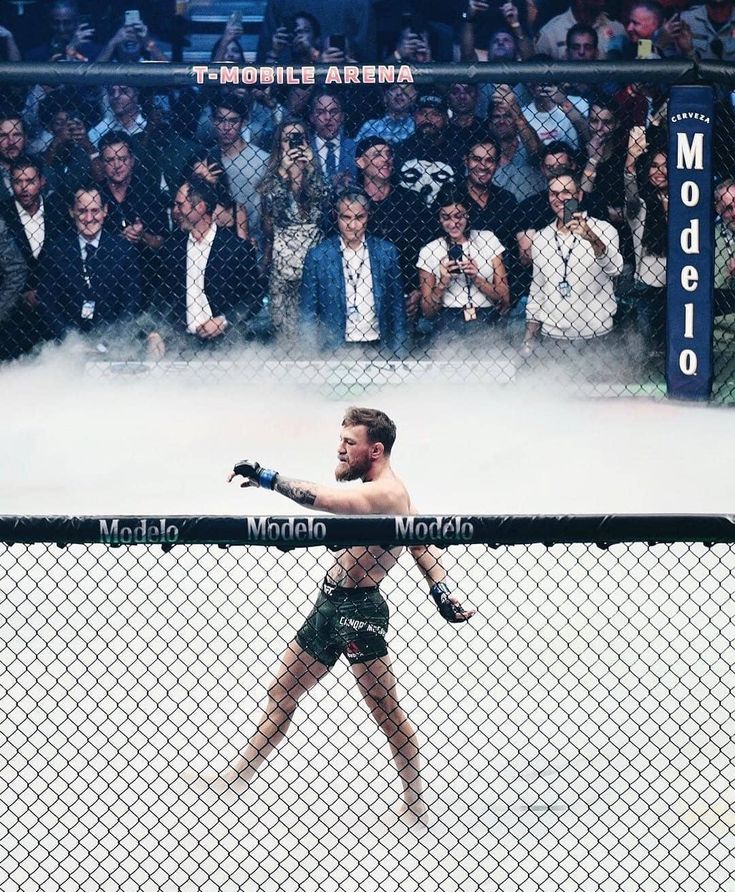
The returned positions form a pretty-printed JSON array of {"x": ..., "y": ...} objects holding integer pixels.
[{"x": 350, "y": 616}]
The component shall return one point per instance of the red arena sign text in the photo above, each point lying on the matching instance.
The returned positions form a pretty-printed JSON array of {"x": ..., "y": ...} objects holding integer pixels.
[{"x": 345, "y": 74}]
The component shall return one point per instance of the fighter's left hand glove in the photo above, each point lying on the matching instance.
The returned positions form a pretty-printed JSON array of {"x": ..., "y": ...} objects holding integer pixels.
[
  {"x": 255, "y": 473},
  {"x": 447, "y": 605}
]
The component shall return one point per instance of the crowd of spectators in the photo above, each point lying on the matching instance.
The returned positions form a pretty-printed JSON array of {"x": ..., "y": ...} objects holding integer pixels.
[{"x": 371, "y": 221}]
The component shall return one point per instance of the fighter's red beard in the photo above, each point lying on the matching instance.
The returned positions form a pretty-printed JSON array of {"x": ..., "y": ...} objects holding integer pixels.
[{"x": 345, "y": 472}]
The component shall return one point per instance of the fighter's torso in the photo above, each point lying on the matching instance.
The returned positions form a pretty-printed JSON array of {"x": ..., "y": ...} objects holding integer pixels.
[{"x": 362, "y": 566}]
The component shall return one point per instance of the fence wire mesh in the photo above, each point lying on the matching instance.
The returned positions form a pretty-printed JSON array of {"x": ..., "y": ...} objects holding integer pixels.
[
  {"x": 577, "y": 733},
  {"x": 409, "y": 223}
]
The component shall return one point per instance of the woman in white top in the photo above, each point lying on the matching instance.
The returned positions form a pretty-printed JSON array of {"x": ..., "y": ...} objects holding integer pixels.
[
  {"x": 647, "y": 212},
  {"x": 462, "y": 276}
]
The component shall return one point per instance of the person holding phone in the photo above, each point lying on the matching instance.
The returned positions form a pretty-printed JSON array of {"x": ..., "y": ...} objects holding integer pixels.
[
  {"x": 575, "y": 261},
  {"x": 132, "y": 42},
  {"x": 462, "y": 275},
  {"x": 294, "y": 203}
]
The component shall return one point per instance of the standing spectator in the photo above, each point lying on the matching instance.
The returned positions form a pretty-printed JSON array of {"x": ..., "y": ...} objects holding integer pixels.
[
  {"x": 506, "y": 38},
  {"x": 351, "y": 293},
  {"x": 334, "y": 152},
  {"x": 124, "y": 113},
  {"x": 412, "y": 44},
  {"x": 353, "y": 20},
  {"x": 572, "y": 298},
  {"x": 582, "y": 46},
  {"x": 642, "y": 30},
  {"x": 228, "y": 214},
  {"x": 294, "y": 201},
  {"x": 552, "y": 38},
  {"x": 725, "y": 248},
  {"x": 89, "y": 279},
  {"x": 395, "y": 214},
  {"x": 556, "y": 116},
  {"x": 647, "y": 211},
  {"x": 708, "y": 31},
  {"x": 519, "y": 145},
  {"x": 71, "y": 37},
  {"x": 398, "y": 123},
  {"x": 13, "y": 144},
  {"x": 9, "y": 51},
  {"x": 132, "y": 43},
  {"x": 462, "y": 274},
  {"x": 244, "y": 163},
  {"x": 213, "y": 287},
  {"x": 464, "y": 127},
  {"x": 13, "y": 276},
  {"x": 426, "y": 161},
  {"x": 33, "y": 221}
]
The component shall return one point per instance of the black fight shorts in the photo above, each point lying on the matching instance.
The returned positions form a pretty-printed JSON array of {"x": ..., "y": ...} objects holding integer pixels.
[{"x": 349, "y": 621}]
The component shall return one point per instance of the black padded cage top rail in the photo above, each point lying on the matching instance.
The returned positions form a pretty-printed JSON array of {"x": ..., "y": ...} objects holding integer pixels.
[{"x": 287, "y": 532}]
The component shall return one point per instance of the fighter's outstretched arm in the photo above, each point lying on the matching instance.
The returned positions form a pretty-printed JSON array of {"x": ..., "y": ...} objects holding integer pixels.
[{"x": 368, "y": 498}]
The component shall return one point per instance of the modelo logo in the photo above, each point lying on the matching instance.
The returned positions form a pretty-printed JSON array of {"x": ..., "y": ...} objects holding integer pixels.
[
  {"x": 291, "y": 529},
  {"x": 690, "y": 157},
  {"x": 441, "y": 529},
  {"x": 147, "y": 532}
]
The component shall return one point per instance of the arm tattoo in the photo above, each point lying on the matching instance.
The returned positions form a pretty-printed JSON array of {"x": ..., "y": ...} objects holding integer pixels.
[{"x": 296, "y": 490}]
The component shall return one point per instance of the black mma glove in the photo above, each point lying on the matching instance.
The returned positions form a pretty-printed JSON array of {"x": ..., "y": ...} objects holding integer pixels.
[
  {"x": 251, "y": 470},
  {"x": 453, "y": 613}
]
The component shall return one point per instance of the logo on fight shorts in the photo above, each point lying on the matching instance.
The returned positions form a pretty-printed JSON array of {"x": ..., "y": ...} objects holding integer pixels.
[
  {"x": 352, "y": 649},
  {"x": 438, "y": 529}
]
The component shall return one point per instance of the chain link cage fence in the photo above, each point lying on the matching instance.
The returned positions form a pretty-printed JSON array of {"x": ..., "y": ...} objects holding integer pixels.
[
  {"x": 576, "y": 733},
  {"x": 516, "y": 221}
]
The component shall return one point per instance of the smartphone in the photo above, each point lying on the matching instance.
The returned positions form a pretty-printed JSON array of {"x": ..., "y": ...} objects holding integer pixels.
[
  {"x": 235, "y": 18},
  {"x": 132, "y": 17},
  {"x": 337, "y": 41},
  {"x": 571, "y": 207},
  {"x": 645, "y": 49},
  {"x": 295, "y": 140},
  {"x": 455, "y": 252}
]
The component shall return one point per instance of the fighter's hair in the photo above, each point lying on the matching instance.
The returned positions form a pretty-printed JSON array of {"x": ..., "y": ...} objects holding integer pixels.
[{"x": 380, "y": 429}]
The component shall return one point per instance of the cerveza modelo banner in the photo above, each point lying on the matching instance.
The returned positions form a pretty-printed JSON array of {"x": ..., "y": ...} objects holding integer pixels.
[
  {"x": 690, "y": 268},
  {"x": 285, "y": 533}
]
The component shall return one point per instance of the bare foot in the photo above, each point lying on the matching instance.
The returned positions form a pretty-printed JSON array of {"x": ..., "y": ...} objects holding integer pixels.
[
  {"x": 229, "y": 781},
  {"x": 412, "y": 815}
]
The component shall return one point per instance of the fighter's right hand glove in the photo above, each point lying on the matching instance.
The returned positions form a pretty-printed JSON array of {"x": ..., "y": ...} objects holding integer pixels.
[
  {"x": 447, "y": 605},
  {"x": 256, "y": 474}
]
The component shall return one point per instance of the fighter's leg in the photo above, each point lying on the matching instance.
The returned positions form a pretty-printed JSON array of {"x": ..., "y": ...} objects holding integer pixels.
[{"x": 378, "y": 687}]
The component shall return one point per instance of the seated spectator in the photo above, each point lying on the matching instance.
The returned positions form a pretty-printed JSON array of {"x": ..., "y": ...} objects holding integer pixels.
[
  {"x": 333, "y": 150},
  {"x": 297, "y": 41},
  {"x": 89, "y": 279},
  {"x": 436, "y": 18},
  {"x": 708, "y": 32},
  {"x": 412, "y": 44},
  {"x": 213, "y": 287},
  {"x": 228, "y": 214},
  {"x": 12, "y": 279},
  {"x": 463, "y": 279},
  {"x": 575, "y": 260},
  {"x": 135, "y": 209},
  {"x": 725, "y": 248},
  {"x": 556, "y": 116},
  {"x": 9, "y": 51},
  {"x": 295, "y": 203},
  {"x": 352, "y": 20},
  {"x": 33, "y": 220},
  {"x": 464, "y": 128},
  {"x": 507, "y": 37},
  {"x": 395, "y": 214},
  {"x": 552, "y": 38},
  {"x": 124, "y": 113},
  {"x": 398, "y": 123},
  {"x": 71, "y": 38},
  {"x": 132, "y": 43},
  {"x": 489, "y": 206},
  {"x": 426, "y": 161},
  {"x": 646, "y": 212},
  {"x": 645, "y": 19},
  {"x": 351, "y": 292},
  {"x": 244, "y": 163},
  {"x": 13, "y": 144},
  {"x": 519, "y": 146}
]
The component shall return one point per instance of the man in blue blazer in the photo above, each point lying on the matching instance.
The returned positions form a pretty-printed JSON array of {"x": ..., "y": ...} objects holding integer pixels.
[
  {"x": 89, "y": 280},
  {"x": 351, "y": 291},
  {"x": 333, "y": 151}
]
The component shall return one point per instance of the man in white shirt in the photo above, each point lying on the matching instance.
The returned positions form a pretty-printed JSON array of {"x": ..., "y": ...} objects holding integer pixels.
[
  {"x": 212, "y": 284},
  {"x": 351, "y": 290},
  {"x": 575, "y": 260},
  {"x": 552, "y": 38},
  {"x": 124, "y": 113},
  {"x": 555, "y": 116}
]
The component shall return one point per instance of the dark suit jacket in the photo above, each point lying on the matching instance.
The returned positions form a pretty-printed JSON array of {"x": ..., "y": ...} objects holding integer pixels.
[
  {"x": 232, "y": 282},
  {"x": 114, "y": 284},
  {"x": 57, "y": 222},
  {"x": 346, "y": 156},
  {"x": 324, "y": 296}
]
